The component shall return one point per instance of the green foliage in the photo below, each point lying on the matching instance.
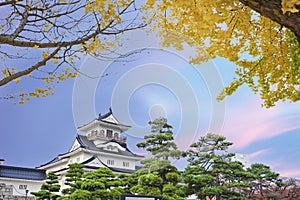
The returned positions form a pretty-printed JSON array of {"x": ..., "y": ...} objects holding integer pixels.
[
  {"x": 42, "y": 194},
  {"x": 210, "y": 171},
  {"x": 74, "y": 175},
  {"x": 150, "y": 180},
  {"x": 80, "y": 195},
  {"x": 160, "y": 142},
  {"x": 128, "y": 181},
  {"x": 155, "y": 183},
  {"x": 48, "y": 188},
  {"x": 172, "y": 192},
  {"x": 101, "y": 184},
  {"x": 263, "y": 179},
  {"x": 157, "y": 175},
  {"x": 204, "y": 151}
]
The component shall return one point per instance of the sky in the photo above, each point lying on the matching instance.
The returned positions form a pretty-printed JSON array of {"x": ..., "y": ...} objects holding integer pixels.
[{"x": 151, "y": 82}]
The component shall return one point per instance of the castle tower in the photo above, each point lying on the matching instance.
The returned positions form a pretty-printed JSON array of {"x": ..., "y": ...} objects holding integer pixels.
[
  {"x": 105, "y": 128},
  {"x": 100, "y": 145}
]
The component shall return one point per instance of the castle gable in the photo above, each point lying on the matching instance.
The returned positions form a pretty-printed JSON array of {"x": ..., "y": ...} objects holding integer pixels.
[{"x": 75, "y": 145}]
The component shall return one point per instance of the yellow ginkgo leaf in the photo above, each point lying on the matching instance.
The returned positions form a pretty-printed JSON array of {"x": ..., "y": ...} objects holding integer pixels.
[
  {"x": 17, "y": 80},
  {"x": 45, "y": 54}
]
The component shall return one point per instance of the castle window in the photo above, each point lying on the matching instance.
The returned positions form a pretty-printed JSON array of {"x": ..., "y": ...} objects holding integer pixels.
[
  {"x": 94, "y": 132},
  {"x": 125, "y": 164},
  {"x": 110, "y": 162},
  {"x": 116, "y": 136},
  {"x": 110, "y": 148},
  {"x": 109, "y": 134},
  {"x": 101, "y": 134}
]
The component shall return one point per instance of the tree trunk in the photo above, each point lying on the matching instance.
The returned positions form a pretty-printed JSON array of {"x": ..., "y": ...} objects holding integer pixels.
[{"x": 272, "y": 10}]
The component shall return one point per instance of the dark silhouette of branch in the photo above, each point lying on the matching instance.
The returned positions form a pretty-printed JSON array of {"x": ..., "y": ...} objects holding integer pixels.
[
  {"x": 30, "y": 69},
  {"x": 63, "y": 28},
  {"x": 272, "y": 10}
]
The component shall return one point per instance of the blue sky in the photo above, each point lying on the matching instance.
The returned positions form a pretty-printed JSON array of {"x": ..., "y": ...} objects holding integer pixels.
[{"x": 152, "y": 82}]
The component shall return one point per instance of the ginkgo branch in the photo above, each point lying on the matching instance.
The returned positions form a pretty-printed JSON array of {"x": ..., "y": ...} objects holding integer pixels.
[{"x": 30, "y": 69}]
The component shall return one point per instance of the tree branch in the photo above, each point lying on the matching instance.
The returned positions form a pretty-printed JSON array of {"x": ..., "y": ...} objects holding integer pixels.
[
  {"x": 7, "y": 2},
  {"x": 58, "y": 27},
  {"x": 272, "y": 10},
  {"x": 21, "y": 25},
  {"x": 30, "y": 69}
]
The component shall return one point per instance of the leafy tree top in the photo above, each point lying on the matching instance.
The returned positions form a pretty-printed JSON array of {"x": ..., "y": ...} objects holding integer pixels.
[
  {"x": 158, "y": 176},
  {"x": 210, "y": 171},
  {"x": 206, "y": 150},
  {"x": 49, "y": 189},
  {"x": 160, "y": 142},
  {"x": 43, "y": 41},
  {"x": 263, "y": 179},
  {"x": 100, "y": 184},
  {"x": 260, "y": 37},
  {"x": 73, "y": 177}
]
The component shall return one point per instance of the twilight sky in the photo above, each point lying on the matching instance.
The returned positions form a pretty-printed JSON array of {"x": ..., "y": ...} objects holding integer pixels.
[{"x": 150, "y": 83}]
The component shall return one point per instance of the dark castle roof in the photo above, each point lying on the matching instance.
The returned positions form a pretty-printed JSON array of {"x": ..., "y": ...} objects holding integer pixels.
[
  {"x": 102, "y": 118},
  {"x": 87, "y": 144},
  {"x": 114, "y": 169},
  {"x": 22, "y": 173}
]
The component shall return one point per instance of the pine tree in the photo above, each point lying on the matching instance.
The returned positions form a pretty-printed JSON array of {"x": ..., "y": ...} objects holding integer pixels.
[
  {"x": 74, "y": 175},
  {"x": 48, "y": 188},
  {"x": 160, "y": 142},
  {"x": 158, "y": 176},
  {"x": 262, "y": 181},
  {"x": 211, "y": 172},
  {"x": 101, "y": 184}
]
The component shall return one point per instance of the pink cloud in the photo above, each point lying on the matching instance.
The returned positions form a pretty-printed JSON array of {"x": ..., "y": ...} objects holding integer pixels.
[
  {"x": 259, "y": 153},
  {"x": 248, "y": 123},
  {"x": 283, "y": 168},
  {"x": 295, "y": 173}
]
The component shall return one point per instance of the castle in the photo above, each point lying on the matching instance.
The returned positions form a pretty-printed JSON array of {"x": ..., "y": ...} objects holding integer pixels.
[{"x": 100, "y": 143}]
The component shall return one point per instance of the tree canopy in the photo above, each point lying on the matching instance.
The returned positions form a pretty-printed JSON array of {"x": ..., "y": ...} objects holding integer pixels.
[
  {"x": 211, "y": 172},
  {"x": 260, "y": 37},
  {"x": 43, "y": 40},
  {"x": 99, "y": 184},
  {"x": 49, "y": 189},
  {"x": 157, "y": 175},
  {"x": 160, "y": 142}
]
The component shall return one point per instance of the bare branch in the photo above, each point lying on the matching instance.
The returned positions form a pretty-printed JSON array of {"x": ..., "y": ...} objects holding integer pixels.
[
  {"x": 60, "y": 28},
  {"x": 22, "y": 25},
  {"x": 7, "y": 2},
  {"x": 30, "y": 69}
]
